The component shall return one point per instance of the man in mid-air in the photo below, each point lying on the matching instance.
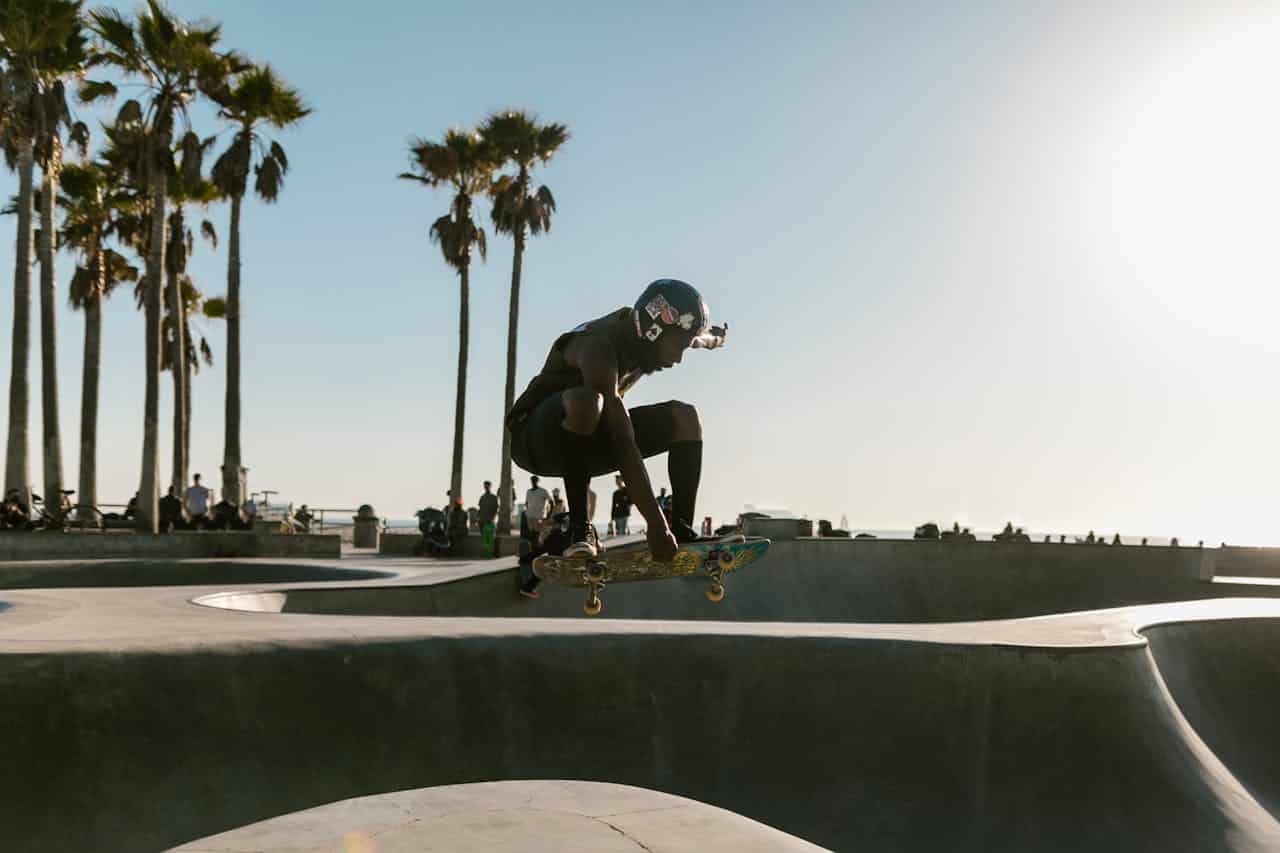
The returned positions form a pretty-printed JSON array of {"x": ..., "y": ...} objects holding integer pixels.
[{"x": 571, "y": 421}]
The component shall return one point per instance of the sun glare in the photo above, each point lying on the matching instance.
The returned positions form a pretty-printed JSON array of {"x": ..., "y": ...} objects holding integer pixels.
[{"x": 1197, "y": 183}]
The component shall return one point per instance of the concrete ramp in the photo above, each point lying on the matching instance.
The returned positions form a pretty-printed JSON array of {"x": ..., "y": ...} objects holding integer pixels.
[
  {"x": 907, "y": 738},
  {"x": 1225, "y": 677}
]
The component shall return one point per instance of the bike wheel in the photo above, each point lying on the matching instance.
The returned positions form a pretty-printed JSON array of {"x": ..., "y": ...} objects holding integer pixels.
[{"x": 85, "y": 518}]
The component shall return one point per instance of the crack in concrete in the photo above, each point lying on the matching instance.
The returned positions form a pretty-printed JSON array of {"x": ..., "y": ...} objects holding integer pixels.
[{"x": 624, "y": 834}]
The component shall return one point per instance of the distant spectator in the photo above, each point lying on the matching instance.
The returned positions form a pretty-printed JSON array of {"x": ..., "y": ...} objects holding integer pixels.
[
  {"x": 14, "y": 515},
  {"x": 557, "y": 503},
  {"x": 1090, "y": 539},
  {"x": 131, "y": 508},
  {"x": 1173, "y": 543},
  {"x": 621, "y": 511},
  {"x": 486, "y": 516},
  {"x": 664, "y": 502},
  {"x": 303, "y": 516},
  {"x": 928, "y": 530},
  {"x": 457, "y": 526},
  {"x": 197, "y": 501},
  {"x": 591, "y": 505},
  {"x": 536, "y": 503},
  {"x": 170, "y": 509},
  {"x": 1116, "y": 541}
]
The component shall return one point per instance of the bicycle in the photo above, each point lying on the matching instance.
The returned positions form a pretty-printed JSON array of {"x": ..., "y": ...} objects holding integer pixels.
[{"x": 82, "y": 518}]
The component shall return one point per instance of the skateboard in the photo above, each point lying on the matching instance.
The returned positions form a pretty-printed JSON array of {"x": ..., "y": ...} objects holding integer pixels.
[{"x": 717, "y": 557}]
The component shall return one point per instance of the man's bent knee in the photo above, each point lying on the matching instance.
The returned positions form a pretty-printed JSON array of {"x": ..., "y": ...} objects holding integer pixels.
[
  {"x": 685, "y": 420},
  {"x": 582, "y": 410}
]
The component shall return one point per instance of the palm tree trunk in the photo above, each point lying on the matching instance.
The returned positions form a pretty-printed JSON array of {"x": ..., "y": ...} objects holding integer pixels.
[
  {"x": 89, "y": 399},
  {"x": 17, "y": 471},
  {"x": 460, "y": 406},
  {"x": 148, "y": 497},
  {"x": 49, "y": 336},
  {"x": 177, "y": 364},
  {"x": 232, "y": 469},
  {"x": 509, "y": 393},
  {"x": 186, "y": 424}
]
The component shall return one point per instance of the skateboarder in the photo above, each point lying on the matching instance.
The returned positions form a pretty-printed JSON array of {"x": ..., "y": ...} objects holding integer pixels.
[{"x": 571, "y": 421}]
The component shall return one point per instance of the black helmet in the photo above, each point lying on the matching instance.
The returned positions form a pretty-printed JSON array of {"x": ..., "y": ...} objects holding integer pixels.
[{"x": 670, "y": 303}]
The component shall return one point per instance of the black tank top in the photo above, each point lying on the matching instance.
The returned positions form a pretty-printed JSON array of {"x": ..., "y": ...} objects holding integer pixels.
[{"x": 617, "y": 328}]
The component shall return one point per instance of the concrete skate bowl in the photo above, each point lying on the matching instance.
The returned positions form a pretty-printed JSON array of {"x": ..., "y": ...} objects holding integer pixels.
[
  {"x": 1053, "y": 734},
  {"x": 1225, "y": 677},
  {"x": 140, "y": 573},
  {"x": 818, "y": 581}
]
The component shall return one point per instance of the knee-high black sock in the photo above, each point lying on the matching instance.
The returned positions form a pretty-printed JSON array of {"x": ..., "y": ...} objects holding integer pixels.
[
  {"x": 684, "y": 467},
  {"x": 577, "y": 477}
]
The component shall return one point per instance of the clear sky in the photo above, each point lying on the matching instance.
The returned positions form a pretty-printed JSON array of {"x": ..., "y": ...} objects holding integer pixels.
[{"x": 981, "y": 261}]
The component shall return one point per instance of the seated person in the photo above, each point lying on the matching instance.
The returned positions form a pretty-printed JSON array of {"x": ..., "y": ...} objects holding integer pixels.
[
  {"x": 14, "y": 515},
  {"x": 170, "y": 510},
  {"x": 224, "y": 516},
  {"x": 303, "y": 516},
  {"x": 131, "y": 511}
]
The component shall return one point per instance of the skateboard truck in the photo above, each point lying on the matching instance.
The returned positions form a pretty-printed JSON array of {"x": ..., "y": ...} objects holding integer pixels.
[
  {"x": 594, "y": 574},
  {"x": 718, "y": 562}
]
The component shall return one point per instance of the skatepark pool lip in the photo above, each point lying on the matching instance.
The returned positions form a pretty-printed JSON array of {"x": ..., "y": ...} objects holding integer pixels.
[{"x": 133, "y": 573}]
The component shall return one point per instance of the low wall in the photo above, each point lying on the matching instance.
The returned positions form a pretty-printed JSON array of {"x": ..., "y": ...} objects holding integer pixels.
[
  {"x": 178, "y": 545},
  {"x": 472, "y": 548},
  {"x": 1235, "y": 561}
]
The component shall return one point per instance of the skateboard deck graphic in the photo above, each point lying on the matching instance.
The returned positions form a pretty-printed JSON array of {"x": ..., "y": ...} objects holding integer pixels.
[{"x": 717, "y": 557}]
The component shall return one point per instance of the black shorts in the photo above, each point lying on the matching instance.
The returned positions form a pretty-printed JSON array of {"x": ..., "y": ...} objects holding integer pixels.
[{"x": 538, "y": 445}]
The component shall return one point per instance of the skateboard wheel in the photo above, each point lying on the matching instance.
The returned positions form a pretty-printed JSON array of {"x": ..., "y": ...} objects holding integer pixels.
[
  {"x": 715, "y": 592},
  {"x": 725, "y": 559},
  {"x": 596, "y": 570},
  {"x": 593, "y": 607}
]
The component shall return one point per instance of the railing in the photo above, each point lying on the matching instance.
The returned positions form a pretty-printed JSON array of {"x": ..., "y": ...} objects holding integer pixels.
[{"x": 319, "y": 512}]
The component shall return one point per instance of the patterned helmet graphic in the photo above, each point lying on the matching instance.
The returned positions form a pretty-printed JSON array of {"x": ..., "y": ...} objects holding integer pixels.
[{"x": 669, "y": 303}]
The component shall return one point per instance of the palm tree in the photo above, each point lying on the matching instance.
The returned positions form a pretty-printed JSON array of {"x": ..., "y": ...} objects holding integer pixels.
[
  {"x": 195, "y": 304},
  {"x": 464, "y": 162},
  {"x": 253, "y": 99},
  {"x": 40, "y": 44},
  {"x": 93, "y": 203},
  {"x": 519, "y": 140},
  {"x": 174, "y": 62},
  {"x": 186, "y": 186}
]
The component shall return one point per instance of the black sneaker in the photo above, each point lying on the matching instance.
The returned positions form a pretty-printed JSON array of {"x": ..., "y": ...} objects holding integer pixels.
[
  {"x": 584, "y": 541},
  {"x": 685, "y": 533}
]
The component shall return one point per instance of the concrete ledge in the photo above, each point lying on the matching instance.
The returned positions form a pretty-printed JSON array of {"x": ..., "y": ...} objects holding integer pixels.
[
  {"x": 408, "y": 545},
  {"x": 182, "y": 545}
]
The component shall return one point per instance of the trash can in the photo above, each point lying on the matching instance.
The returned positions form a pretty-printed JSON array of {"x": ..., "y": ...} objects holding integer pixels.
[{"x": 366, "y": 530}]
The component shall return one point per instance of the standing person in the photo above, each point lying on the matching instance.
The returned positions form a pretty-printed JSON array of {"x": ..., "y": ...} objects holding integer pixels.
[
  {"x": 571, "y": 420},
  {"x": 664, "y": 503},
  {"x": 621, "y": 511},
  {"x": 486, "y": 514},
  {"x": 557, "y": 503},
  {"x": 591, "y": 505},
  {"x": 197, "y": 502},
  {"x": 536, "y": 503}
]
